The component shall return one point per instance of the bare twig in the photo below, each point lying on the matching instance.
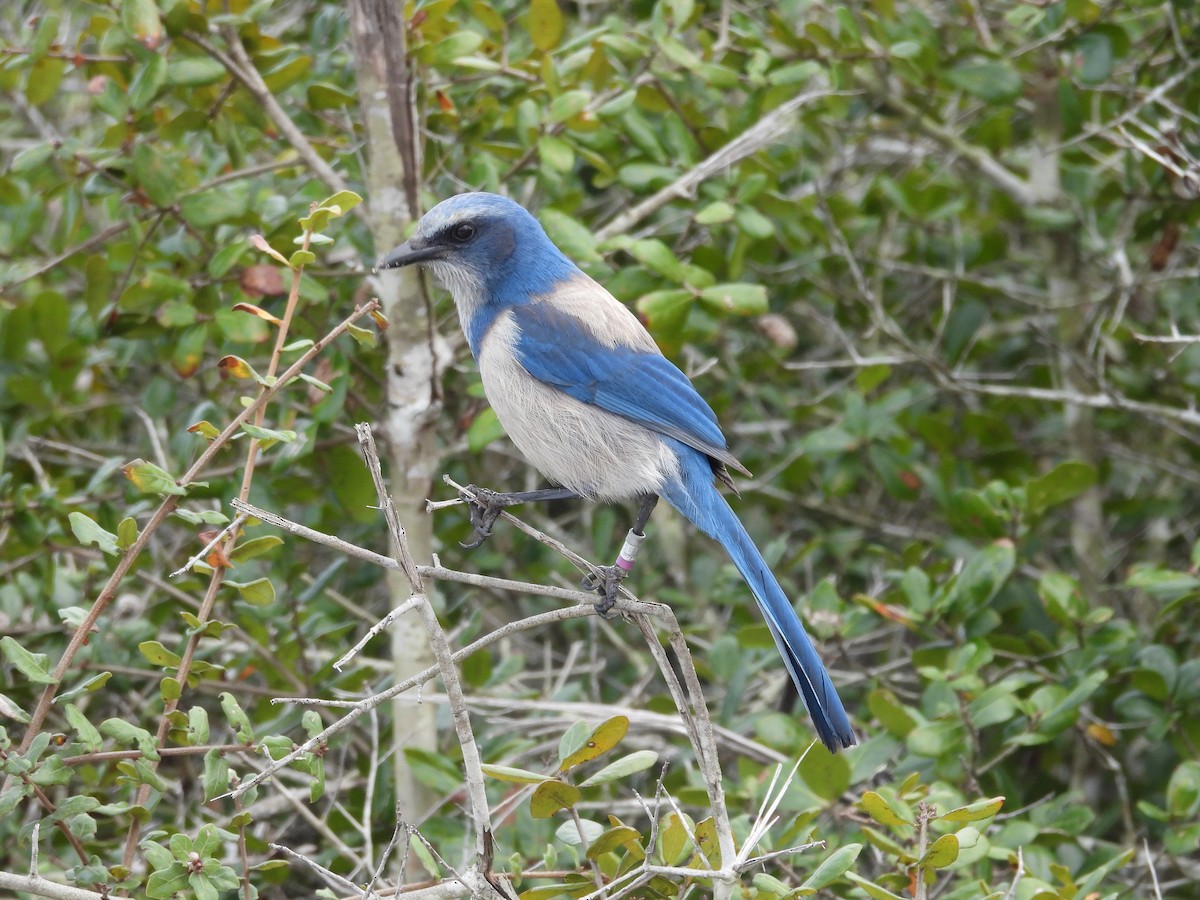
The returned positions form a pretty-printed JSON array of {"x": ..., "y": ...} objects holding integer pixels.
[
  {"x": 333, "y": 878},
  {"x": 40, "y": 887},
  {"x": 233, "y": 526},
  {"x": 761, "y": 134},
  {"x": 238, "y": 63},
  {"x": 42, "y": 709},
  {"x": 472, "y": 763}
]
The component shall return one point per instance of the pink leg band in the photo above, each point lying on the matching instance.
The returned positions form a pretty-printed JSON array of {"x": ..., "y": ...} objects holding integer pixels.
[{"x": 629, "y": 551}]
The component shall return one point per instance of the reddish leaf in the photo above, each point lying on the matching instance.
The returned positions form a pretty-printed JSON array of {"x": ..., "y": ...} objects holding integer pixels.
[
  {"x": 234, "y": 367},
  {"x": 256, "y": 311},
  {"x": 262, "y": 281}
]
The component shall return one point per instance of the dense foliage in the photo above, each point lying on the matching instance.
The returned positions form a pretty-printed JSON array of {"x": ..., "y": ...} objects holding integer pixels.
[{"x": 933, "y": 264}]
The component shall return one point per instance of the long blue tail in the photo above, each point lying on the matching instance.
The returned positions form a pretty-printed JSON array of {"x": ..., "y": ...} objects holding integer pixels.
[{"x": 697, "y": 498}]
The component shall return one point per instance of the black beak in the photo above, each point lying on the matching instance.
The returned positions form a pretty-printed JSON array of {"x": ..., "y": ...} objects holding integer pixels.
[{"x": 407, "y": 254}]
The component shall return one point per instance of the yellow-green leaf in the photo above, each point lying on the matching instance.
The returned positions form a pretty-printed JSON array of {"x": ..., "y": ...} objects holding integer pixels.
[
  {"x": 674, "y": 843},
  {"x": 512, "y": 774},
  {"x": 606, "y": 736},
  {"x": 34, "y": 666},
  {"x": 973, "y": 812},
  {"x": 941, "y": 852},
  {"x": 254, "y": 547},
  {"x": 127, "y": 532},
  {"x": 342, "y": 201},
  {"x": 87, "y": 531},
  {"x": 150, "y": 479},
  {"x": 259, "y": 592},
  {"x": 363, "y": 336},
  {"x": 158, "y": 655},
  {"x": 880, "y": 810},
  {"x": 611, "y": 840},
  {"x": 833, "y": 867},
  {"x": 545, "y": 24},
  {"x": 551, "y": 796}
]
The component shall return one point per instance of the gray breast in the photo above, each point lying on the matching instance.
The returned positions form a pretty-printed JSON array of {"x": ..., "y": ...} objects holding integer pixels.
[{"x": 582, "y": 447}]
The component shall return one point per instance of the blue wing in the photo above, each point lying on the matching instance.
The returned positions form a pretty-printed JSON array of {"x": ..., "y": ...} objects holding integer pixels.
[{"x": 558, "y": 349}]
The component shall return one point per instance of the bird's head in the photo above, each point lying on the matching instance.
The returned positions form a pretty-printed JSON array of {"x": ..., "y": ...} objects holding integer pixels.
[{"x": 485, "y": 248}]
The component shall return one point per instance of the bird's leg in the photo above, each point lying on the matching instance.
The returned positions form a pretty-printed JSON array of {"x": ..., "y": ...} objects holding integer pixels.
[
  {"x": 485, "y": 505},
  {"x": 607, "y": 579}
]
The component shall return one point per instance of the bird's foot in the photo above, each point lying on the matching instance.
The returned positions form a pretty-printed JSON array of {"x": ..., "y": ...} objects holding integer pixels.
[
  {"x": 484, "y": 507},
  {"x": 605, "y": 581}
]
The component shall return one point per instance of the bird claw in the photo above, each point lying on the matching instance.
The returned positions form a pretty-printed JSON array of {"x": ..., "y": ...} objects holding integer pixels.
[
  {"x": 605, "y": 581},
  {"x": 484, "y": 507}
]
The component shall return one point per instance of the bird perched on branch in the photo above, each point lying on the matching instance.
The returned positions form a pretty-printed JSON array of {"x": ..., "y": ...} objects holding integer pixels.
[{"x": 583, "y": 391}]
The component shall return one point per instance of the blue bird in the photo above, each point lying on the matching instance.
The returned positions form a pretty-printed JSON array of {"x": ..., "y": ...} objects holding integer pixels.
[{"x": 585, "y": 394}]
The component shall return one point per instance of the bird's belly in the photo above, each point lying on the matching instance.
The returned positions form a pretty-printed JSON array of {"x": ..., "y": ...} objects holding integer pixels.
[{"x": 582, "y": 447}]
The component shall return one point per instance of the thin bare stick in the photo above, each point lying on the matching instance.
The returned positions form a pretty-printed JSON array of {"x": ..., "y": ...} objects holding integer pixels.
[
  {"x": 40, "y": 887},
  {"x": 238, "y": 63},
  {"x": 472, "y": 763},
  {"x": 379, "y": 626},
  {"x": 761, "y": 134},
  {"x": 79, "y": 638},
  {"x": 332, "y": 877},
  {"x": 233, "y": 526}
]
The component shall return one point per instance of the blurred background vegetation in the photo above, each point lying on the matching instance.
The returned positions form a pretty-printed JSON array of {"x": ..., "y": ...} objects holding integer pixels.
[{"x": 935, "y": 266}]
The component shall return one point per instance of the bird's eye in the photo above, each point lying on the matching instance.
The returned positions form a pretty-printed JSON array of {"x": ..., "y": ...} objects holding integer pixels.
[{"x": 462, "y": 232}]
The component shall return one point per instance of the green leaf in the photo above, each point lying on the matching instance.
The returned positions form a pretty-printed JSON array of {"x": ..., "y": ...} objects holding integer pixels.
[
  {"x": 363, "y": 336},
  {"x": 198, "y": 730},
  {"x": 880, "y": 810},
  {"x": 194, "y": 71},
  {"x": 941, "y": 853},
  {"x": 551, "y": 796},
  {"x": 141, "y": 22},
  {"x": 568, "y": 105},
  {"x": 268, "y": 437},
  {"x": 973, "y": 812},
  {"x": 741, "y": 299},
  {"x": 150, "y": 479},
  {"x": 1183, "y": 790},
  {"x": 301, "y": 258},
  {"x": 606, "y": 736},
  {"x": 34, "y": 666},
  {"x": 1062, "y": 483},
  {"x": 833, "y": 867},
  {"x": 613, "y": 839},
  {"x": 148, "y": 81},
  {"x": 87, "y": 532},
  {"x": 259, "y": 592},
  {"x": 126, "y": 733},
  {"x": 666, "y": 311},
  {"x": 512, "y": 774},
  {"x": 255, "y": 547},
  {"x": 556, "y": 154},
  {"x": 995, "y": 82},
  {"x": 545, "y": 23},
  {"x": 342, "y": 201},
  {"x": 483, "y": 430},
  {"x": 88, "y": 686},
  {"x": 89, "y": 737},
  {"x": 872, "y": 890},
  {"x": 329, "y": 96},
  {"x": 637, "y": 761},
  {"x": 674, "y": 842},
  {"x": 236, "y": 717},
  {"x": 658, "y": 257},
  {"x": 715, "y": 213},
  {"x": 127, "y": 532},
  {"x": 158, "y": 655}
]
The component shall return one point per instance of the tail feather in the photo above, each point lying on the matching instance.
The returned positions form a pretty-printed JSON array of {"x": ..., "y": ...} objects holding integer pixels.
[{"x": 697, "y": 498}]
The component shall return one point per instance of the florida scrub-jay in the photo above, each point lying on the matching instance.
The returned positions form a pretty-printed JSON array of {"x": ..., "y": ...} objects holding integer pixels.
[{"x": 585, "y": 394}]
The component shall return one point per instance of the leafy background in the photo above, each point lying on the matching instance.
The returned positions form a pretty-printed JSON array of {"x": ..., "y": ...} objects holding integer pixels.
[{"x": 946, "y": 312}]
